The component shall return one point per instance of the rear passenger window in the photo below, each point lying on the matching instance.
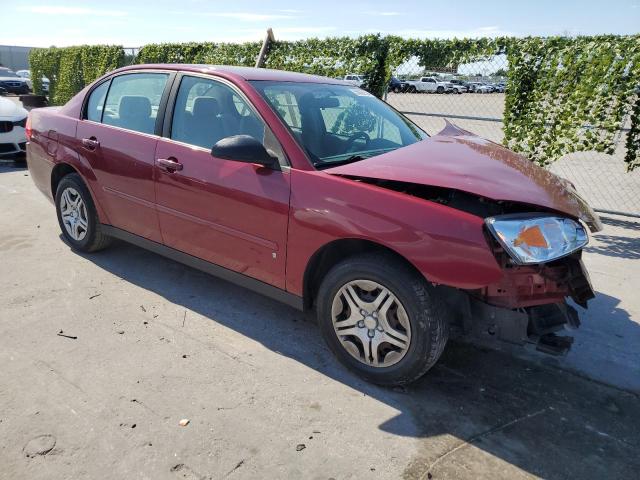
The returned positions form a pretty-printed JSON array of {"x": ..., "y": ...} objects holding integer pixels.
[
  {"x": 95, "y": 104},
  {"x": 133, "y": 100},
  {"x": 207, "y": 111}
]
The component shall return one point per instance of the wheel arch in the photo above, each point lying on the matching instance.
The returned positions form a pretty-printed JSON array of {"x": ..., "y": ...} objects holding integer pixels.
[
  {"x": 61, "y": 170},
  {"x": 330, "y": 254}
]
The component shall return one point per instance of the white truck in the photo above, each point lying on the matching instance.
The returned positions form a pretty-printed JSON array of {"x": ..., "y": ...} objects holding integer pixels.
[{"x": 429, "y": 84}]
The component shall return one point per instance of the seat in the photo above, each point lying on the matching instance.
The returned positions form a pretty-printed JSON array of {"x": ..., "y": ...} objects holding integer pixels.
[
  {"x": 134, "y": 113},
  {"x": 203, "y": 127}
]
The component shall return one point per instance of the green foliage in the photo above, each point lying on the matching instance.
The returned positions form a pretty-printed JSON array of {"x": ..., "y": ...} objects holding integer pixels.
[
  {"x": 336, "y": 57},
  {"x": 570, "y": 94},
  {"x": 244, "y": 54},
  {"x": 563, "y": 94},
  {"x": 70, "y": 69}
]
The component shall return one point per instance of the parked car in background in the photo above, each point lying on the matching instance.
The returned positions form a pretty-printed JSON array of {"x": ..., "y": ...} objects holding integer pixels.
[
  {"x": 499, "y": 87},
  {"x": 460, "y": 85},
  {"x": 357, "y": 80},
  {"x": 482, "y": 88},
  {"x": 13, "y": 119},
  {"x": 395, "y": 238},
  {"x": 26, "y": 74},
  {"x": 429, "y": 84},
  {"x": 13, "y": 83},
  {"x": 397, "y": 86}
]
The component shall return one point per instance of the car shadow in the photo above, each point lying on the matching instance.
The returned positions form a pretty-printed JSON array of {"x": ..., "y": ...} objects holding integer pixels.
[
  {"x": 625, "y": 245},
  {"x": 542, "y": 420},
  {"x": 11, "y": 163}
]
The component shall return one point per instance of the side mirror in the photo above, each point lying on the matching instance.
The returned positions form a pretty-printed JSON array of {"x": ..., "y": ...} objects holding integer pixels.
[{"x": 243, "y": 148}]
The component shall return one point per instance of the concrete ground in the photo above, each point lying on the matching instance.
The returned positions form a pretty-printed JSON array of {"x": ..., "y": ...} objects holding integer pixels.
[{"x": 155, "y": 342}]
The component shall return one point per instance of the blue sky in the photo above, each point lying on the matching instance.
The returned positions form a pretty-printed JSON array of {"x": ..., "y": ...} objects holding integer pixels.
[{"x": 131, "y": 23}]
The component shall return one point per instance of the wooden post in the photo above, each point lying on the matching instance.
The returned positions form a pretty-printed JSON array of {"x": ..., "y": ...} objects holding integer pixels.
[{"x": 268, "y": 38}]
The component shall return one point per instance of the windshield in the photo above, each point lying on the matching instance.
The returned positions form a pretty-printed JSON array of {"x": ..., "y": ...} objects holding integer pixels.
[
  {"x": 338, "y": 124},
  {"x": 7, "y": 73}
]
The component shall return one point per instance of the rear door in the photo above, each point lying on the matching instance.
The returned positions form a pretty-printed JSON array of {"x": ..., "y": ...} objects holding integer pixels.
[
  {"x": 118, "y": 137},
  {"x": 229, "y": 213}
]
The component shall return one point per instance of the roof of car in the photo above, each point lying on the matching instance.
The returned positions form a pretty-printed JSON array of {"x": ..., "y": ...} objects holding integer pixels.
[{"x": 246, "y": 73}]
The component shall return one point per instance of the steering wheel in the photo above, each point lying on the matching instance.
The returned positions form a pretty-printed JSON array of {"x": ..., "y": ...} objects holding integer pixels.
[{"x": 354, "y": 137}]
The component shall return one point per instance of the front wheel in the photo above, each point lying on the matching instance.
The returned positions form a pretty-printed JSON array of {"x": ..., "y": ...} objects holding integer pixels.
[{"x": 382, "y": 319}]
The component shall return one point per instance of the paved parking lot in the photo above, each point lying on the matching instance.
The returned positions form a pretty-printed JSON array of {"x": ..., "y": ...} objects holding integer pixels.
[{"x": 157, "y": 342}]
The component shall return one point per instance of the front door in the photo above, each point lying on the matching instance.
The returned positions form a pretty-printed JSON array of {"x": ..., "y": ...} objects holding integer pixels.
[
  {"x": 229, "y": 213},
  {"x": 118, "y": 139}
]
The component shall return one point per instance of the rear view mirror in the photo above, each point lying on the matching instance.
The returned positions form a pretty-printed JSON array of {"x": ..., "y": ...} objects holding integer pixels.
[{"x": 243, "y": 148}]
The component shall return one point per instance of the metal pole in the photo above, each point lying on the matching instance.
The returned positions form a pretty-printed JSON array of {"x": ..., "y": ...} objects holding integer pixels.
[{"x": 268, "y": 38}]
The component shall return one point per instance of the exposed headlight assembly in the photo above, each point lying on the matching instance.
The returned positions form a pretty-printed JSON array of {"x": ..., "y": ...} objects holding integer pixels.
[{"x": 536, "y": 238}]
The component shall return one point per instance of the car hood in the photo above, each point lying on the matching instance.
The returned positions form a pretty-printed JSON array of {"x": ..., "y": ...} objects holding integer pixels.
[
  {"x": 457, "y": 159},
  {"x": 10, "y": 110}
]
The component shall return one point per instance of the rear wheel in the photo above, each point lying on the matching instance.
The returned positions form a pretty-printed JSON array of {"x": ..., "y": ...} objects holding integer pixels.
[
  {"x": 381, "y": 319},
  {"x": 77, "y": 215},
  {"x": 440, "y": 90}
]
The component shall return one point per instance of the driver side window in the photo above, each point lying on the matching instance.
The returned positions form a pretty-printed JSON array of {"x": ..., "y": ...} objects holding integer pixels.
[{"x": 206, "y": 111}]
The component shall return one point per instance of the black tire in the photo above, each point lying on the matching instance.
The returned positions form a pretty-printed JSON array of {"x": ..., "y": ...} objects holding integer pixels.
[
  {"x": 440, "y": 89},
  {"x": 424, "y": 308},
  {"x": 413, "y": 89},
  {"x": 94, "y": 239},
  {"x": 396, "y": 89}
]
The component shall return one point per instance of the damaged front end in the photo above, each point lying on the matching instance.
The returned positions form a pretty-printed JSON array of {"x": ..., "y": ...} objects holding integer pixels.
[{"x": 528, "y": 304}]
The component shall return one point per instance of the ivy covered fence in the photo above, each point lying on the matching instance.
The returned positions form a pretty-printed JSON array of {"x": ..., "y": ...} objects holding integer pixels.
[{"x": 563, "y": 94}]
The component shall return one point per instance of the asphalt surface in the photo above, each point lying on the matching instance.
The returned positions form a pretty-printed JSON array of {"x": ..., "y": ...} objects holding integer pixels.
[{"x": 103, "y": 355}]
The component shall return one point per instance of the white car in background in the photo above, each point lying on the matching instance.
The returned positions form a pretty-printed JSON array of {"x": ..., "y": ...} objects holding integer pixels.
[
  {"x": 26, "y": 74},
  {"x": 353, "y": 79},
  {"x": 13, "y": 120},
  {"x": 480, "y": 88}
]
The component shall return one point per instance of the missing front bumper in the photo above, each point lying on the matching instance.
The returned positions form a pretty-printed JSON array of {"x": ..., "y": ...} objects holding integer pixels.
[{"x": 536, "y": 325}]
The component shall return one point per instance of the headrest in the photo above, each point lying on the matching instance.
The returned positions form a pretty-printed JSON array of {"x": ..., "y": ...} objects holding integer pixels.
[
  {"x": 204, "y": 107},
  {"x": 134, "y": 106}
]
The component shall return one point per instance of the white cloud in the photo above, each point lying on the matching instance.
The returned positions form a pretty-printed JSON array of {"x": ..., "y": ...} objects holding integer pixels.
[{"x": 62, "y": 10}]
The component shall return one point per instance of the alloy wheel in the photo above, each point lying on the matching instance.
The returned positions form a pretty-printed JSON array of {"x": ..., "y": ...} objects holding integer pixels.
[
  {"x": 371, "y": 323},
  {"x": 74, "y": 214}
]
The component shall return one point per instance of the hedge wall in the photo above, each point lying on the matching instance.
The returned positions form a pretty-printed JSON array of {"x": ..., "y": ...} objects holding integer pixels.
[
  {"x": 70, "y": 69},
  {"x": 563, "y": 94}
]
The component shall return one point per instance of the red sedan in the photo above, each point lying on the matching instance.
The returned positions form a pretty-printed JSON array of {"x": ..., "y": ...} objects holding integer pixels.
[{"x": 316, "y": 193}]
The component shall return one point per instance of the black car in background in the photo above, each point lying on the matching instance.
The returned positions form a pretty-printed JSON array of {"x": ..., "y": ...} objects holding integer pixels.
[{"x": 397, "y": 86}]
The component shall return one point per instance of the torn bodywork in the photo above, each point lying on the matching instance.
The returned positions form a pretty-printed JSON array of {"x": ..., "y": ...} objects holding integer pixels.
[{"x": 528, "y": 304}]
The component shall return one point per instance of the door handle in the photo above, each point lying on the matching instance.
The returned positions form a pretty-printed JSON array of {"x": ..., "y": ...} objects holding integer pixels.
[
  {"x": 90, "y": 143},
  {"x": 169, "y": 164}
]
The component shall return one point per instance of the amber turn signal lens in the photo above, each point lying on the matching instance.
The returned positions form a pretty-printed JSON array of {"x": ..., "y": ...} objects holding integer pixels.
[{"x": 532, "y": 237}]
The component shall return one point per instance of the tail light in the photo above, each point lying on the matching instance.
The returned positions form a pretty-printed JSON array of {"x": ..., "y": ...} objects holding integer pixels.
[{"x": 27, "y": 129}]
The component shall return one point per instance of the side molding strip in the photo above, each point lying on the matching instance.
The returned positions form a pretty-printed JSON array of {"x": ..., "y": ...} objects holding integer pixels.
[{"x": 207, "y": 267}]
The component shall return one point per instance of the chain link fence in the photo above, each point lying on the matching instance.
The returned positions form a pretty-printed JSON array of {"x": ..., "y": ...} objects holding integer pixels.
[{"x": 472, "y": 96}]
